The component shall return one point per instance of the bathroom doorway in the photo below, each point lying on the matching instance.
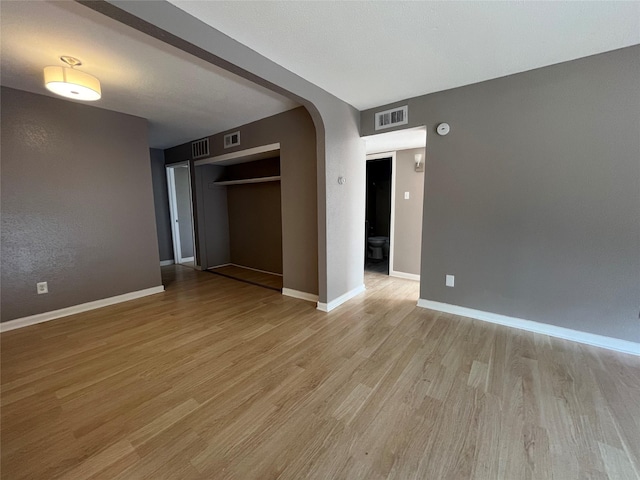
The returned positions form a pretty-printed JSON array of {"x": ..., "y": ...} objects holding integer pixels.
[
  {"x": 180, "y": 208},
  {"x": 379, "y": 212}
]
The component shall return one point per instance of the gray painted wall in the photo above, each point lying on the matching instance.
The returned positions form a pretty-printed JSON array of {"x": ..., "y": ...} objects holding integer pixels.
[
  {"x": 340, "y": 150},
  {"x": 183, "y": 204},
  {"x": 161, "y": 204},
  {"x": 295, "y": 132},
  {"x": 533, "y": 200},
  {"x": 212, "y": 217},
  {"x": 408, "y": 213},
  {"x": 77, "y": 204}
]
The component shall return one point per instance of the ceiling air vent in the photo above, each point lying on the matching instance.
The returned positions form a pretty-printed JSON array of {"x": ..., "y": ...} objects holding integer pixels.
[
  {"x": 393, "y": 117},
  {"x": 232, "y": 139},
  {"x": 200, "y": 148}
]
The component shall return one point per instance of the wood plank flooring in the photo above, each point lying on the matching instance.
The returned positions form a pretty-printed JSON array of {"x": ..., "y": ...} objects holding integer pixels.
[{"x": 217, "y": 379}]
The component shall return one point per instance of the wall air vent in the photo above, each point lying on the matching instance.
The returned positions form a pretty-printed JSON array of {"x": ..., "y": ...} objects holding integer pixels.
[
  {"x": 393, "y": 117},
  {"x": 200, "y": 148},
  {"x": 232, "y": 139}
]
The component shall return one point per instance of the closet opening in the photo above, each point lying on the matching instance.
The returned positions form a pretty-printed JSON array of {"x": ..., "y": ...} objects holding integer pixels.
[{"x": 241, "y": 212}]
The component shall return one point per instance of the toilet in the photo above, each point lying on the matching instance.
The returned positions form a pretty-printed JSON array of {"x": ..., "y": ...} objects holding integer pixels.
[{"x": 378, "y": 246}]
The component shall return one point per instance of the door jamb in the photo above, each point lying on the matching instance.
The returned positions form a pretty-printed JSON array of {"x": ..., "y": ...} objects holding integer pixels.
[
  {"x": 392, "y": 220},
  {"x": 173, "y": 210}
]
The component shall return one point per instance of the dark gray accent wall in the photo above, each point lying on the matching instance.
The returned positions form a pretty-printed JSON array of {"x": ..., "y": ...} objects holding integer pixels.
[
  {"x": 161, "y": 203},
  {"x": 295, "y": 132},
  {"x": 255, "y": 226},
  {"x": 77, "y": 204},
  {"x": 212, "y": 217},
  {"x": 533, "y": 200}
]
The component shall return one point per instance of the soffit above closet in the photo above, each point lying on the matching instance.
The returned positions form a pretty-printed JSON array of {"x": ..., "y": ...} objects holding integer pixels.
[{"x": 248, "y": 155}]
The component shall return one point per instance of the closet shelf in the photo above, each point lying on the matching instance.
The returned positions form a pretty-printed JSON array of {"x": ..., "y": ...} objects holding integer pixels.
[{"x": 250, "y": 180}]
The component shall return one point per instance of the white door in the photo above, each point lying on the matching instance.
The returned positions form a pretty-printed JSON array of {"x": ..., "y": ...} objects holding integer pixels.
[{"x": 179, "y": 188}]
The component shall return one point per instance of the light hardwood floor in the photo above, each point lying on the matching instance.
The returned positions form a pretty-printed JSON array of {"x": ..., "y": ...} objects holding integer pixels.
[{"x": 217, "y": 379}]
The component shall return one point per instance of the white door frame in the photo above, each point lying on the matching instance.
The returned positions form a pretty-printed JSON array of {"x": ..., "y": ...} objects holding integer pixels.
[
  {"x": 392, "y": 220},
  {"x": 173, "y": 211}
]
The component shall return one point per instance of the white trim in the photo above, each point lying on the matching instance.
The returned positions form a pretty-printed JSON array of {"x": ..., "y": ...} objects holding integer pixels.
[
  {"x": 289, "y": 292},
  {"x": 531, "y": 326},
  {"x": 164, "y": 263},
  {"x": 327, "y": 307},
  {"x": 173, "y": 213},
  {"x": 183, "y": 163},
  {"x": 239, "y": 155},
  {"x": 83, "y": 307},
  {"x": 392, "y": 219},
  {"x": 408, "y": 276}
]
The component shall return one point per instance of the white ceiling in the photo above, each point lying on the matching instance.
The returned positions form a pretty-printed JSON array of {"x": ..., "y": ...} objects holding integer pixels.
[
  {"x": 371, "y": 53},
  {"x": 183, "y": 97},
  {"x": 366, "y": 53}
]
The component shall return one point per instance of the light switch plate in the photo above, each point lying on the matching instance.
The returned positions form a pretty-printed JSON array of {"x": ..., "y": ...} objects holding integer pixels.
[
  {"x": 450, "y": 281},
  {"x": 406, "y": 195}
]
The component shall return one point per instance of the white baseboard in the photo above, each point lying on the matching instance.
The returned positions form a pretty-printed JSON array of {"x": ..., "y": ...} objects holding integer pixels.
[
  {"x": 186, "y": 259},
  {"x": 83, "y": 307},
  {"x": 310, "y": 297},
  {"x": 531, "y": 326},
  {"x": 164, "y": 263},
  {"x": 408, "y": 276},
  {"x": 327, "y": 307}
]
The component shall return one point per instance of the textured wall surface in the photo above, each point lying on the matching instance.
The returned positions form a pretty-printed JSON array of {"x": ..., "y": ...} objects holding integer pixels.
[
  {"x": 533, "y": 199},
  {"x": 77, "y": 204}
]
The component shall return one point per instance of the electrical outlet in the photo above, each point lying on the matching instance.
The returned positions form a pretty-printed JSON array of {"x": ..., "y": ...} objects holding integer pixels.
[
  {"x": 406, "y": 195},
  {"x": 42, "y": 287},
  {"x": 450, "y": 281}
]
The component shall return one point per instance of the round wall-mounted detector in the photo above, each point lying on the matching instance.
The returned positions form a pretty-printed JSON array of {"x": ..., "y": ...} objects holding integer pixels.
[{"x": 443, "y": 129}]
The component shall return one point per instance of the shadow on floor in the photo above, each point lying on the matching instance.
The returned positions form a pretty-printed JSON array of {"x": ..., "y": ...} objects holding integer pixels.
[{"x": 377, "y": 266}]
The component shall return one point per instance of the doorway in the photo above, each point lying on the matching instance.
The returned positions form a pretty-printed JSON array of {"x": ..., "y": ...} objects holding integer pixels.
[
  {"x": 379, "y": 212},
  {"x": 180, "y": 208}
]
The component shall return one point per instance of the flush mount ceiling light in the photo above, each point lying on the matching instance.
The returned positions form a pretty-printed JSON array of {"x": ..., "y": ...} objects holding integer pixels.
[{"x": 72, "y": 83}]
